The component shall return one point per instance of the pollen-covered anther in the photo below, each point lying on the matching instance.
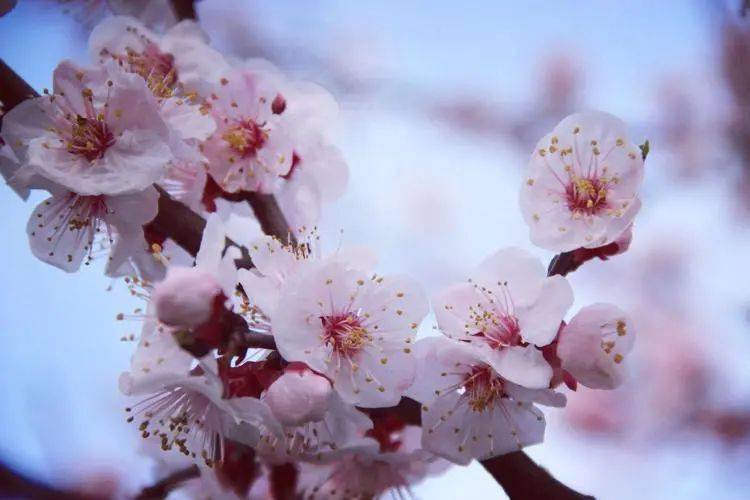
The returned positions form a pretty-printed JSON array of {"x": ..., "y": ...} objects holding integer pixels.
[
  {"x": 345, "y": 333},
  {"x": 90, "y": 137},
  {"x": 587, "y": 196},
  {"x": 245, "y": 138},
  {"x": 483, "y": 388}
]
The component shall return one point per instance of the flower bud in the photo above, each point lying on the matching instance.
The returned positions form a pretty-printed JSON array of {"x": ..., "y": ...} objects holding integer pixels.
[
  {"x": 186, "y": 297},
  {"x": 593, "y": 346},
  {"x": 299, "y": 397}
]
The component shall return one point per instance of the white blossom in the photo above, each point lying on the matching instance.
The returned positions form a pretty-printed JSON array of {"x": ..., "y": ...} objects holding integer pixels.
[{"x": 581, "y": 188}]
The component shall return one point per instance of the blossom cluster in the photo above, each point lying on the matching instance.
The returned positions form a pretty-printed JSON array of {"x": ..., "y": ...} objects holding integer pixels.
[{"x": 262, "y": 355}]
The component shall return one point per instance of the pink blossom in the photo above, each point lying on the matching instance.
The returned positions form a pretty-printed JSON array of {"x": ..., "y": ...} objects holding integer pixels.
[
  {"x": 274, "y": 136},
  {"x": 197, "y": 300},
  {"x": 581, "y": 188},
  {"x": 178, "y": 62},
  {"x": 509, "y": 307},
  {"x": 98, "y": 143},
  {"x": 352, "y": 326},
  {"x": 251, "y": 149},
  {"x": 99, "y": 133},
  {"x": 275, "y": 263},
  {"x": 340, "y": 429},
  {"x": 593, "y": 346},
  {"x": 68, "y": 229},
  {"x": 319, "y": 173},
  {"x": 469, "y": 411},
  {"x": 184, "y": 406},
  {"x": 169, "y": 65},
  {"x": 369, "y": 471}
]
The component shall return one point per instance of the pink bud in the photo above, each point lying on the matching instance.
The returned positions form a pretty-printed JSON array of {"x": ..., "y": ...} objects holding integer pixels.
[
  {"x": 595, "y": 344},
  {"x": 299, "y": 397},
  {"x": 186, "y": 296},
  {"x": 278, "y": 105}
]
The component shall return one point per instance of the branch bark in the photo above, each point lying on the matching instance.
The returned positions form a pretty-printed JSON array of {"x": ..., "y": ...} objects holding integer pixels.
[
  {"x": 516, "y": 472},
  {"x": 177, "y": 222},
  {"x": 561, "y": 264},
  {"x": 271, "y": 218},
  {"x": 522, "y": 478},
  {"x": 519, "y": 476},
  {"x": 184, "y": 9},
  {"x": 162, "y": 488},
  {"x": 13, "y": 484},
  {"x": 13, "y": 89}
]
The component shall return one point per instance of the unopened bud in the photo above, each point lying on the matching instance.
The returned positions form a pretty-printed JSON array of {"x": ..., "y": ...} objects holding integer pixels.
[
  {"x": 278, "y": 105},
  {"x": 186, "y": 297},
  {"x": 299, "y": 397},
  {"x": 594, "y": 345}
]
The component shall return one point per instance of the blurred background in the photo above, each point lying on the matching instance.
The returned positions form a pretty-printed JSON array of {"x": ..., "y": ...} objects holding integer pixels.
[{"x": 441, "y": 105}]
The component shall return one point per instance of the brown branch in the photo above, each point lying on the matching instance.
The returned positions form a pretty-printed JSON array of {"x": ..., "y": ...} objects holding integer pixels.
[
  {"x": 519, "y": 476},
  {"x": 177, "y": 222},
  {"x": 13, "y": 89},
  {"x": 6, "y": 6},
  {"x": 13, "y": 484},
  {"x": 270, "y": 217},
  {"x": 184, "y": 9},
  {"x": 162, "y": 488},
  {"x": 562, "y": 264}
]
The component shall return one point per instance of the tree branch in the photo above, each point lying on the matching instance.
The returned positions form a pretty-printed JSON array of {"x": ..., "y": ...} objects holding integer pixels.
[
  {"x": 177, "y": 222},
  {"x": 271, "y": 218},
  {"x": 162, "y": 488},
  {"x": 184, "y": 9},
  {"x": 6, "y": 6},
  {"x": 561, "y": 264},
  {"x": 13, "y": 484},
  {"x": 519, "y": 476},
  {"x": 516, "y": 472},
  {"x": 13, "y": 89}
]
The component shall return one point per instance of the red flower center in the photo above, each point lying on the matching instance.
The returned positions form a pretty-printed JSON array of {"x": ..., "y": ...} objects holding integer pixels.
[
  {"x": 504, "y": 331},
  {"x": 483, "y": 388},
  {"x": 156, "y": 67},
  {"x": 245, "y": 138},
  {"x": 345, "y": 333},
  {"x": 587, "y": 196},
  {"x": 90, "y": 137},
  {"x": 499, "y": 329}
]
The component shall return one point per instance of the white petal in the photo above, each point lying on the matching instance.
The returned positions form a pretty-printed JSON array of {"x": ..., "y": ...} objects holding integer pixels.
[
  {"x": 523, "y": 273},
  {"x": 523, "y": 365},
  {"x": 452, "y": 309},
  {"x": 187, "y": 119},
  {"x": 540, "y": 321}
]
